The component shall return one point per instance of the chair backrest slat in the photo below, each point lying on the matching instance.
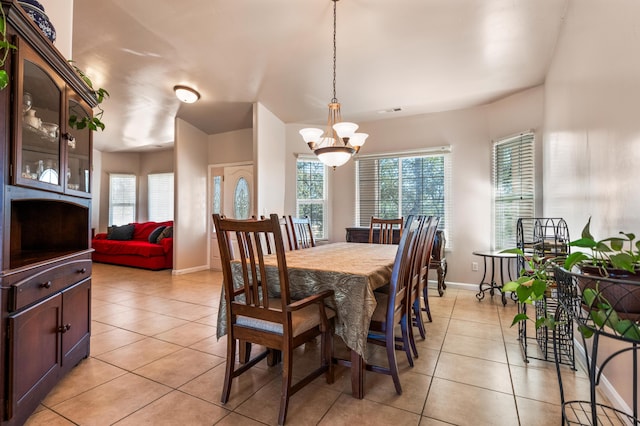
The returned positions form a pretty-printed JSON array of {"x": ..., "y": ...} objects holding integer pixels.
[
  {"x": 246, "y": 274},
  {"x": 302, "y": 234},
  {"x": 385, "y": 228}
]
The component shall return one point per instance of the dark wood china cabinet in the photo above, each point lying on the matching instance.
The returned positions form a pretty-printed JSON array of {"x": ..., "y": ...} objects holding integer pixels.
[{"x": 45, "y": 179}]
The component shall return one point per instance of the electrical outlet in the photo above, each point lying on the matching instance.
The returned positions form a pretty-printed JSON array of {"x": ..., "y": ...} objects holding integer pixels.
[{"x": 474, "y": 266}]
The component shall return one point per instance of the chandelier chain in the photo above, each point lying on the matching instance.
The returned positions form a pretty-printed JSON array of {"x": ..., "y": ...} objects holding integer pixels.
[{"x": 335, "y": 99}]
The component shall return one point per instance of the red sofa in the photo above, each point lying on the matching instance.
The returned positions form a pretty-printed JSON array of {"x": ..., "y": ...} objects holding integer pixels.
[{"x": 137, "y": 251}]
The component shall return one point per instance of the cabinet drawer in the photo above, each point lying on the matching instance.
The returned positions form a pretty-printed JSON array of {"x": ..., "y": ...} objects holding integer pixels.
[{"x": 35, "y": 285}]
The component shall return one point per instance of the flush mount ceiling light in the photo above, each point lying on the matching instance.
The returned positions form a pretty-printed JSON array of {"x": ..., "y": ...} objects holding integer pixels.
[
  {"x": 186, "y": 94},
  {"x": 335, "y": 145}
]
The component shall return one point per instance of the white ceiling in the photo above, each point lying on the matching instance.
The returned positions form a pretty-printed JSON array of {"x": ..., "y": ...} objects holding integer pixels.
[{"x": 418, "y": 55}]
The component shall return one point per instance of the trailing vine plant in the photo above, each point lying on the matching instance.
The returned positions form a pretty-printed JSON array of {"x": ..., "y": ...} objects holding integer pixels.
[
  {"x": 94, "y": 123},
  {"x": 5, "y": 47}
]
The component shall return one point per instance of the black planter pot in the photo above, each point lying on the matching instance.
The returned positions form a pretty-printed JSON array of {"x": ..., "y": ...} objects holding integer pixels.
[{"x": 624, "y": 297}]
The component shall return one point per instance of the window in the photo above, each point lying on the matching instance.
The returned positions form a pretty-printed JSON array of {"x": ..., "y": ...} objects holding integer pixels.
[
  {"x": 397, "y": 185},
  {"x": 514, "y": 186},
  {"x": 122, "y": 199},
  {"x": 311, "y": 196},
  {"x": 160, "y": 196}
]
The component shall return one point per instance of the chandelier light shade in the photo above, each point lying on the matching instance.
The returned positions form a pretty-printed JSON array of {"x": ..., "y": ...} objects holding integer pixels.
[
  {"x": 186, "y": 94},
  {"x": 335, "y": 145}
]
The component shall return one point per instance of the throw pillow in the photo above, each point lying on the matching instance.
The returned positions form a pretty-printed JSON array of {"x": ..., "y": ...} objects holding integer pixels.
[
  {"x": 153, "y": 236},
  {"x": 121, "y": 233},
  {"x": 166, "y": 233}
]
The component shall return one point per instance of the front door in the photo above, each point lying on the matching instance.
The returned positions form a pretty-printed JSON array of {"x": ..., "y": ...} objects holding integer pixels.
[{"x": 231, "y": 195}]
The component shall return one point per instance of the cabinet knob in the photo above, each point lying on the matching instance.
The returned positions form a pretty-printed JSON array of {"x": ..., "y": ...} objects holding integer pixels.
[
  {"x": 46, "y": 285},
  {"x": 82, "y": 271},
  {"x": 68, "y": 136},
  {"x": 64, "y": 328}
]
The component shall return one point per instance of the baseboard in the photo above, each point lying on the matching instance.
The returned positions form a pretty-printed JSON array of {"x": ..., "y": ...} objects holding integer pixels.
[
  {"x": 190, "y": 270},
  {"x": 450, "y": 284}
]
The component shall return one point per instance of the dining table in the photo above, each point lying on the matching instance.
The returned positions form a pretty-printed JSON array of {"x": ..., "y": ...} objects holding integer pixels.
[{"x": 353, "y": 271}]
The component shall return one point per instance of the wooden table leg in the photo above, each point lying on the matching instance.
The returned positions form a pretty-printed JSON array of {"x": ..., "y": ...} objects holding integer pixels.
[{"x": 357, "y": 375}]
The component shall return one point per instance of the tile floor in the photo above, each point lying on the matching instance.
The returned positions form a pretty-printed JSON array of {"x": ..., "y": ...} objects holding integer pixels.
[{"x": 155, "y": 360}]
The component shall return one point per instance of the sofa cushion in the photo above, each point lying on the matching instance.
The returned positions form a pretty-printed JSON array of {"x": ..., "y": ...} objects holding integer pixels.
[
  {"x": 166, "y": 233},
  {"x": 121, "y": 233},
  {"x": 144, "y": 229},
  {"x": 153, "y": 236},
  {"x": 133, "y": 247}
]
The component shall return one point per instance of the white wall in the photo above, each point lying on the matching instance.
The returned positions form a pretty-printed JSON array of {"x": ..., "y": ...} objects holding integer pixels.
[
  {"x": 190, "y": 238},
  {"x": 592, "y": 130},
  {"x": 269, "y": 154},
  {"x": 469, "y": 132},
  {"x": 60, "y": 14},
  {"x": 231, "y": 147}
]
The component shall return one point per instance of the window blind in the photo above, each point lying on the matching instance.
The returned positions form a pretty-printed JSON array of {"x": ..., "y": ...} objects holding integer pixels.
[
  {"x": 160, "y": 196},
  {"x": 397, "y": 185},
  {"x": 122, "y": 199},
  {"x": 514, "y": 186}
]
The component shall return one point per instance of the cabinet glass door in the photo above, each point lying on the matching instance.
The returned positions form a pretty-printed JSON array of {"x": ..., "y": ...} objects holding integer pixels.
[
  {"x": 39, "y": 115},
  {"x": 78, "y": 148}
]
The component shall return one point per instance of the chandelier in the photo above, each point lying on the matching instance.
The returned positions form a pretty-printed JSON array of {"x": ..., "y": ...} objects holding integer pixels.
[{"x": 338, "y": 142}]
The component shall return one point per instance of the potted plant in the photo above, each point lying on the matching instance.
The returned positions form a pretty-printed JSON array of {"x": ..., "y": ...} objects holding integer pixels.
[
  {"x": 5, "y": 47},
  {"x": 94, "y": 123},
  {"x": 604, "y": 274}
]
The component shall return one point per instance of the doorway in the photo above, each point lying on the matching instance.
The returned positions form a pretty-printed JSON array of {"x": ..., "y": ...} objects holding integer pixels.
[{"x": 231, "y": 194}]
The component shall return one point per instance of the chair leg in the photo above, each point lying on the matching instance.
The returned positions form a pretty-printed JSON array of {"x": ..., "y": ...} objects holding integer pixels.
[
  {"x": 326, "y": 348},
  {"x": 425, "y": 297},
  {"x": 408, "y": 341},
  {"x": 418, "y": 314},
  {"x": 393, "y": 364},
  {"x": 287, "y": 366},
  {"x": 228, "y": 375}
]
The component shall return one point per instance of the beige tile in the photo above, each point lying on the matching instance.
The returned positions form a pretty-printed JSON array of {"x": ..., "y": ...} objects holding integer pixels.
[
  {"x": 349, "y": 411},
  {"x": 537, "y": 413},
  {"x": 87, "y": 375},
  {"x": 139, "y": 353},
  {"x": 179, "y": 367},
  {"x": 380, "y": 388},
  {"x": 473, "y": 371},
  {"x": 187, "y": 334},
  {"x": 208, "y": 386},
  {"x": 462, "y": 404},
  {"x": 155, "y": 324},
  {"x": 475, "y": 347},
  {"x": 474, "y": 329},
  {"x": 176, "y": 408},
  {"x": 112, "y": 401},
  {"x": 307, "y": 406},
  {"x": 541, "y": 384},
  {"x": 47, "y": 417},
  {"x": 112, "y": 339},
  {"x": 234, "y": 419}
]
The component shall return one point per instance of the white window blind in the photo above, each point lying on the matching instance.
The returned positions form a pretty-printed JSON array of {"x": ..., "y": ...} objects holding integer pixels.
[
  {"x": 401, "y": 184},
  {"x": 122, "y": 199},
  {"x": 514, "y": 186},
  {"x": 311, "y": 194},
  {"x": 160, "y": 196}
]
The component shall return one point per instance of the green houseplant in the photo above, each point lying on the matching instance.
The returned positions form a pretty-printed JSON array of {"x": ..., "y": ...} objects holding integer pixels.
[
  {"x": 609, "y": 302},
  {"x": 5, "y": 47},
  {"x": 94, "y": 123}
]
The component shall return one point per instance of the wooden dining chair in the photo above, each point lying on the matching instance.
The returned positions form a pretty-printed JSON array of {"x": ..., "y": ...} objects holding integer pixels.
[
  {"x": 385, "y": 229},
  {"x": 418, "y": 278},
  {"x": 301, "y": 232},
  {"x": 278, "y": 324},
  {"x": 435, "y": 221},
  {"x": 392, "y": 307}
]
